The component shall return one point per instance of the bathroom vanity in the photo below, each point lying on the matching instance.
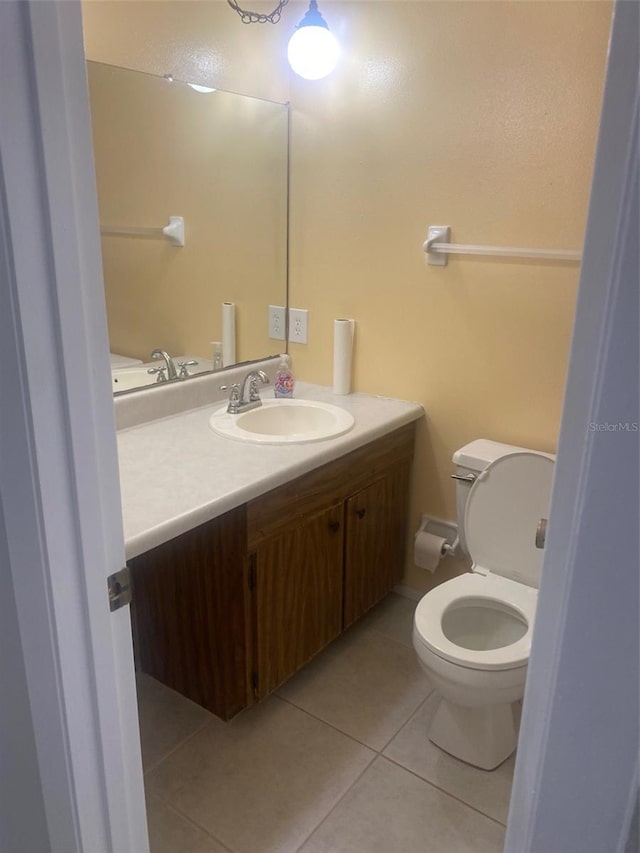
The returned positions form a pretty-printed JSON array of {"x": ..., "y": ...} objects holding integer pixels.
[{"x": 248, "y": 560}]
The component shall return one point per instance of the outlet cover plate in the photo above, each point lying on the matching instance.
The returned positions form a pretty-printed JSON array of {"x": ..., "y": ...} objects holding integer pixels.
[
  {"x": 298, "y": 325},
  {"x": 277, "y": 317}
]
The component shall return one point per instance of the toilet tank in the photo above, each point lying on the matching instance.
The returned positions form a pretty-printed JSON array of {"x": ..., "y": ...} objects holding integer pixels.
[{"x": 473, "y": 458}]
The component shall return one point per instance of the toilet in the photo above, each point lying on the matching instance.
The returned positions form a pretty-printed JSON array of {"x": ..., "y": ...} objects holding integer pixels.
[{"x": 472, "y": 634}]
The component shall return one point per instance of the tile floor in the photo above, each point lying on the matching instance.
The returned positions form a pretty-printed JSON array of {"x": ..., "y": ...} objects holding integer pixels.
[{"x": 337, "y": 761}]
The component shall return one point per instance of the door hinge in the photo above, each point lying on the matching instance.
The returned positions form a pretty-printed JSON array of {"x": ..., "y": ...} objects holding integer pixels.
[
  {"x": 254, "y": 683},
  {"x": 119, "y": 587},
  {"x": 253, "y": 571}
]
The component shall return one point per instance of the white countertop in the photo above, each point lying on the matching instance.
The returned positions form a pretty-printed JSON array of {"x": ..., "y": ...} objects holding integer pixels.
[{"x": 176, "y": 473}]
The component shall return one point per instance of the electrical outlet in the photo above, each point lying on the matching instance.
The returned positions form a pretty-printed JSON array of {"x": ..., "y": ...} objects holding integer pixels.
[
  {"x": 276, "y": 322},
  {"x": 298, "y": 325}
]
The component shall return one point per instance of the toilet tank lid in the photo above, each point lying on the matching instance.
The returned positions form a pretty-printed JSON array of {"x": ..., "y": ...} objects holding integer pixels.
[{"x": 482, "y": 452}]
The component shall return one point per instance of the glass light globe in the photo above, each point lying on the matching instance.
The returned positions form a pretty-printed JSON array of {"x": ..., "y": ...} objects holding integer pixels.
[
  {"x": 313, "y": 52},
  {"x": 204, "y": 90}
]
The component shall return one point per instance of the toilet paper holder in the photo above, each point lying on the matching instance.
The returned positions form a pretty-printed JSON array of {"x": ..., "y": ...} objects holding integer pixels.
[{"x": 447, "y": 530}]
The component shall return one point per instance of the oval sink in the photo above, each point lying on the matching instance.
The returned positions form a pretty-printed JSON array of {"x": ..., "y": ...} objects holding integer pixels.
[{"x": 283, "y": 422}]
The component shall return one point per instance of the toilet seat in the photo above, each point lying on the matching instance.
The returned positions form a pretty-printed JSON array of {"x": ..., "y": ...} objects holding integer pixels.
[
  {"x": 503, "y": 592},
  {"x": 502, "y": 511}
]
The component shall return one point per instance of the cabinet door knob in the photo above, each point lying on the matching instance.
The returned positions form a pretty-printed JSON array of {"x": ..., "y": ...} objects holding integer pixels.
[
  {"x": 334, "y": 526},
  {"x": 360, "y": 513}
]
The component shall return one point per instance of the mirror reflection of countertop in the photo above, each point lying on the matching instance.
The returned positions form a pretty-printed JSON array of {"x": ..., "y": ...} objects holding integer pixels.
[{"x": 176, "y": 473}]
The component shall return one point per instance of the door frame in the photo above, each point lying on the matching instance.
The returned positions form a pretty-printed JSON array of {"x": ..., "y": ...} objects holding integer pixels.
[
  {"x": 59, "y": 486},
  {"x": 575, "y": 787}
]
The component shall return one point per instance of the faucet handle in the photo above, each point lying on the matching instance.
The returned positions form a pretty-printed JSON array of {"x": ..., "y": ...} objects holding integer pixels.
[
  {"x": 254, "y": 390},
  {"x": 160, "y": 371},
  {"x": 183, "y": 368},
  {"x": 234, "y": 397}
]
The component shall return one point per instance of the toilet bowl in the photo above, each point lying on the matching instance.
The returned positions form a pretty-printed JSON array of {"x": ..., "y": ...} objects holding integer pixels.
[{"x": 472, "y": 634}]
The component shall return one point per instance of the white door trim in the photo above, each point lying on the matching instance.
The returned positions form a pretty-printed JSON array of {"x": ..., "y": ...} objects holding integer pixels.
[
  {"x": 59, "y": 490},
  {"x": 576, "y": 777}
]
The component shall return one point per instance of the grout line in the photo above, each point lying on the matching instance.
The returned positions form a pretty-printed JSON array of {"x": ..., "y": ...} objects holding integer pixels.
[
  {"x": 380, "y": 633},
  {"x": 177, "y": 746},
  {"x": 444, "y": 791},
  {"x": 424, "y": 778},
  {"x": 329, "y": 725},
  {"x": 338, "y": 801},
  {"x": 376, "y": 630},
  {"x": 370, "y": 630},
  {"x": 380, "y": 754},
  {"x": 426, "y": 699},
  {"x": 380, "y": 751},
  {"x": 409, "y": 593},
  {"x": 191, "y": 821},
  {"x": 408, "y": 720}
]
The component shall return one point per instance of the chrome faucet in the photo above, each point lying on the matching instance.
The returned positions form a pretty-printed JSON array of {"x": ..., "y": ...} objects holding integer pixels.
[
  {"x": 158, "y": 372},
  {"x": 183, "y": 365},
  {"x": 172, "y": 373},
  {"x": 251, "y": 379},
  {"x": 237, "y": 399}
]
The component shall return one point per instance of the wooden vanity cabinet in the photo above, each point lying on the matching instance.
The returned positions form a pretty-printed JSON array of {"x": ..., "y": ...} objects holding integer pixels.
[
  {"x": 315, "y": 571},
  {"x": 226, "y": 612},
  {"x": 189, "y": 613}
]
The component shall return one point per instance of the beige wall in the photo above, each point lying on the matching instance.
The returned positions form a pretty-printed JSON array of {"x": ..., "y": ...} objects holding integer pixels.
[{"x": 481, "y": 116}]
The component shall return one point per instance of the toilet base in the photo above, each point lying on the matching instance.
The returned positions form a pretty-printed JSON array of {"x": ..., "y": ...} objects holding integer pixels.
[{"x": 483, "y": 736}]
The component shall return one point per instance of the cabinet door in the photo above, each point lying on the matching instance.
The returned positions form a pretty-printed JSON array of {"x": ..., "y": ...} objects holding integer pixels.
[
  {"x": 189, "y": 613},
  {"x": 376, "y": 521},
  {"x": 297, "y": 597}
]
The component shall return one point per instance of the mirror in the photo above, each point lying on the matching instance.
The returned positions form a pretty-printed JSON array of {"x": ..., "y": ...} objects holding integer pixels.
[{"x": 220, "y": 161}]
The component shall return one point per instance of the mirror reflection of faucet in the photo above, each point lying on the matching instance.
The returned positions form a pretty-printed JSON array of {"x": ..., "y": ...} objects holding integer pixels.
[
  {"x": 172, "y": 373},
  {"x": 159, "y": 372},
  {"x": 183, "y": 365}
]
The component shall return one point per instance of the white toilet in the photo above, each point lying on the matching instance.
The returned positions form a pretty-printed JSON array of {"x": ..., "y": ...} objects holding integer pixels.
[{"x": 472, "y": 634}]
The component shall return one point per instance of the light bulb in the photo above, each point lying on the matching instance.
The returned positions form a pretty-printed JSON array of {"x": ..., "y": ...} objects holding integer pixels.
[
  {"x": 202, "y": 89},
  {"x": 313, "y": 51}
]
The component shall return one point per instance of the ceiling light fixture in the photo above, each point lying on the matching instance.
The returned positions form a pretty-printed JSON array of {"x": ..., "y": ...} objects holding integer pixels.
[
  {"x": 256, "y": 17},
  {"x": 313, "y": 50},
  {"x": 204, "y": 90}
]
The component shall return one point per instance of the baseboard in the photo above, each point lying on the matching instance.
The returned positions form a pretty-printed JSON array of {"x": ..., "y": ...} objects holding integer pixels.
[{"x": 408, "y": 592}]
